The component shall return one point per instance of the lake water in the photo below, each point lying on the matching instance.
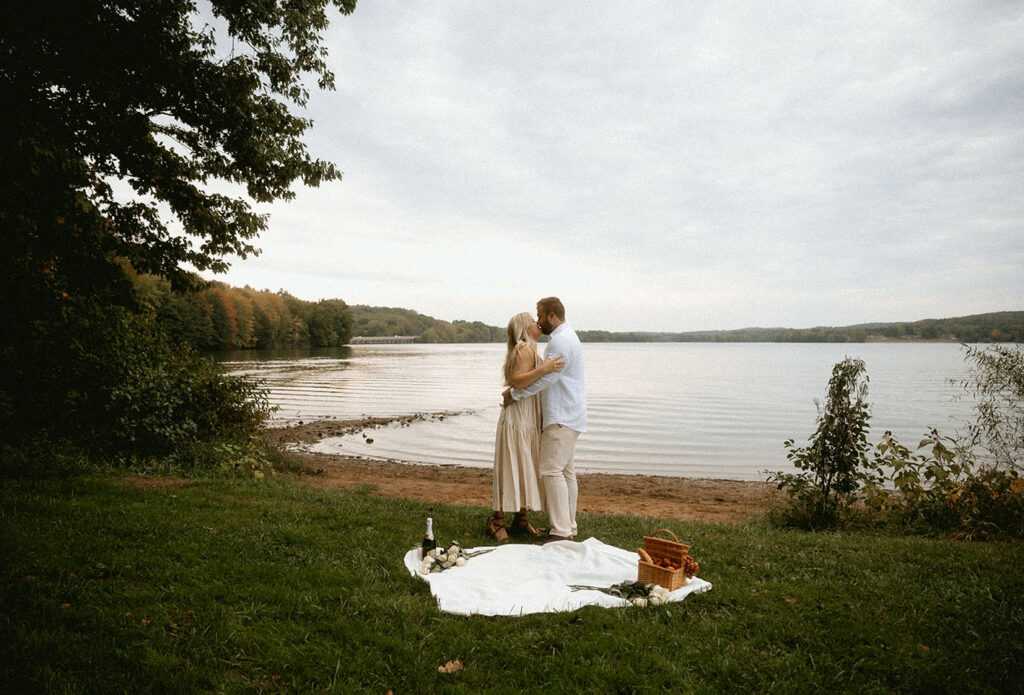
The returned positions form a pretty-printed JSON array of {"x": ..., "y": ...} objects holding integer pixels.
[{"x": 714, "y": 410}]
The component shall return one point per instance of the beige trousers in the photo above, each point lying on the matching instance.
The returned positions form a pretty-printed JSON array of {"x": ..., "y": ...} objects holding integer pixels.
[{"x": 558, "y": 475}]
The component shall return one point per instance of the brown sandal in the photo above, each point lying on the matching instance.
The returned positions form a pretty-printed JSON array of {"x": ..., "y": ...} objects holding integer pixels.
[
  {"x": 521, "y": 525},
  {"x": 496, "y": 528}
]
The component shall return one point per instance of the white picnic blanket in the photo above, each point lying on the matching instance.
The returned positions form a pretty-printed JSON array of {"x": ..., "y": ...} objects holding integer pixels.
[{"x": 522, "y": 579}]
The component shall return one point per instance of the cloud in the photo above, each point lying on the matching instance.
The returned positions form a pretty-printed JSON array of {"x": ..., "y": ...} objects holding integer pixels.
[{"x": 667, "y": 166}]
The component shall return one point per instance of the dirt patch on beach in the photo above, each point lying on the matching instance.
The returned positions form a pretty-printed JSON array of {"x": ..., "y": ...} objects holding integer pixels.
[{"x": 682, "y": 499}]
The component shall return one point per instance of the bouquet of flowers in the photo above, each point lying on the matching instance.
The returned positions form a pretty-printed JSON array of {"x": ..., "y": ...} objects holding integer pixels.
[
  {"x": 440, "y": 559},
  {"x": 639, "y": 594}
]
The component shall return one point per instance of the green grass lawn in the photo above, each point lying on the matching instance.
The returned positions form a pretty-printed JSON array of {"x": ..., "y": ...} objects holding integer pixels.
[{"x": 232, "y": 586}]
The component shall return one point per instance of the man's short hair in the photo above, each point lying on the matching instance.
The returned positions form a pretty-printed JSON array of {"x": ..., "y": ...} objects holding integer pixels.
[{"x": 551, "y": 305}]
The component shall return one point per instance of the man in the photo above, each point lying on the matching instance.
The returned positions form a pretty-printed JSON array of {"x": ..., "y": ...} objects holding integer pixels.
[{"x": 564, "y": 410}]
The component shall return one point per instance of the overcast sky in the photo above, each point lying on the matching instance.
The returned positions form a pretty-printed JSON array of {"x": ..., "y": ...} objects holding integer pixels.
[{"x": 665, "y": 166}]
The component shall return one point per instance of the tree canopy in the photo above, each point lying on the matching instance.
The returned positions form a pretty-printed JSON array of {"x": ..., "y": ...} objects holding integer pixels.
[
  {"x": 136, "y": 135},
  {"x": 103, "y": 94}
]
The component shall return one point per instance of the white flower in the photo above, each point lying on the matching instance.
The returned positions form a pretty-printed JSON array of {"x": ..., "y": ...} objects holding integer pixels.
[
  {"x": 440, "y": 559},
  {"x": 640, "y": 602},
  {"x": 659, "y": 595}
]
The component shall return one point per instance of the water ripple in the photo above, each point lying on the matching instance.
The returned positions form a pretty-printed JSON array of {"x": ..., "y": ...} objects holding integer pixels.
[{"x": 711, "y": 410}]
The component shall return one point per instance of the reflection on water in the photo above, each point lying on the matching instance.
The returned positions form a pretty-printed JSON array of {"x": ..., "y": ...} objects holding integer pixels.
[
  {"x": 293, "y": 354},
  {"x": 689, "y": 409}
]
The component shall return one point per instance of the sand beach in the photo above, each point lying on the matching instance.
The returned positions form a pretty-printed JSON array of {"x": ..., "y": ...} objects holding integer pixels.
[{"x": 680, "y": 499}]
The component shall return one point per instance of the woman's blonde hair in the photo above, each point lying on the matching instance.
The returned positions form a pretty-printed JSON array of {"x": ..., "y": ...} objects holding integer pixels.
[{"x": 517, "y": 333}]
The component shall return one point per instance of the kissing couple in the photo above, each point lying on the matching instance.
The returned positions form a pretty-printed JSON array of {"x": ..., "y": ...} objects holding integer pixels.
[{"x": 544, "y": 411}]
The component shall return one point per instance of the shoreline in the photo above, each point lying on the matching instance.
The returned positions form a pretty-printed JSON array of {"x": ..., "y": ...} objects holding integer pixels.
[{"x": 680, "y": 499}]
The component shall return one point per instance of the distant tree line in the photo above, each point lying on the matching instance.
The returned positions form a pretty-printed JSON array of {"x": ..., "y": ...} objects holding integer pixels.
[
  {"x": 217, "y": 316},
  {"x": 997, "y": 327},
  {"x": 1005, "y": 326}
]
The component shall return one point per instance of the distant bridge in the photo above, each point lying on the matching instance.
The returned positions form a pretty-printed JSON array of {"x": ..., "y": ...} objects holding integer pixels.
[{"x": 382, "y": 339}]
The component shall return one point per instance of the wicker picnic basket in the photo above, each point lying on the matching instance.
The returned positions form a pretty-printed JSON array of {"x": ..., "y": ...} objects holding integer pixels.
[{"x": 648, "y": 570}]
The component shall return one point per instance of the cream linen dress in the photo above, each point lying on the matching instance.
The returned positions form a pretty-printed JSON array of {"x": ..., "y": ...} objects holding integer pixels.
[{"x": 516, "y": 454}]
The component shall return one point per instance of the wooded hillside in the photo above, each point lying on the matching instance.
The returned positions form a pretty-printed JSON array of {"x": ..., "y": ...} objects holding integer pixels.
[
  {"x": 997, "y": 327},
  {"x": 386, "y": 321},
  {"x": 219, "y": 316}
]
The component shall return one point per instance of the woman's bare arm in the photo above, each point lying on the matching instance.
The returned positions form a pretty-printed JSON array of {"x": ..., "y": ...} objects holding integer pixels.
[{"x": 525, "y": 373}]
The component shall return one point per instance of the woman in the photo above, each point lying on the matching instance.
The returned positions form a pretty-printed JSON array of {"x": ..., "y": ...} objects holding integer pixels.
[{"x": 517, "y": 443}]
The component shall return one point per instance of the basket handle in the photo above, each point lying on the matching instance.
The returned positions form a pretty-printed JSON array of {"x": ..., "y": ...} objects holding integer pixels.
[
  {"x": 644, "y": 555},
  {"x": 665, "y": 530}
]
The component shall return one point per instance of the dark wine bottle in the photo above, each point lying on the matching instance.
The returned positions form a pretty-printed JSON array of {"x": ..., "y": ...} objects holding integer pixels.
[{"x": 428, "y": 540}]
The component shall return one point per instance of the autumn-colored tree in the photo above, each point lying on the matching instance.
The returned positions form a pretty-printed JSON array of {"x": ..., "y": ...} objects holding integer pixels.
[{"x": 225, "y": 325}]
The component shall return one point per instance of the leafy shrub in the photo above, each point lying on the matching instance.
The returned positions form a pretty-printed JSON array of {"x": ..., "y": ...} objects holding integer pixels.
[
  {"x": 165, "y": 397},
  {"x": 941, "y": 487},
  {"x": 249, "y": 457},
  {"x": 996, "y": 382},
  {"x": 107, "y": 380},
  {"x": 831, "y": 464}
]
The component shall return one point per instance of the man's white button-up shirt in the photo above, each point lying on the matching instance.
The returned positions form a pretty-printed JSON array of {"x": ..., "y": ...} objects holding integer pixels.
[{"x": 563, "y": 395}]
